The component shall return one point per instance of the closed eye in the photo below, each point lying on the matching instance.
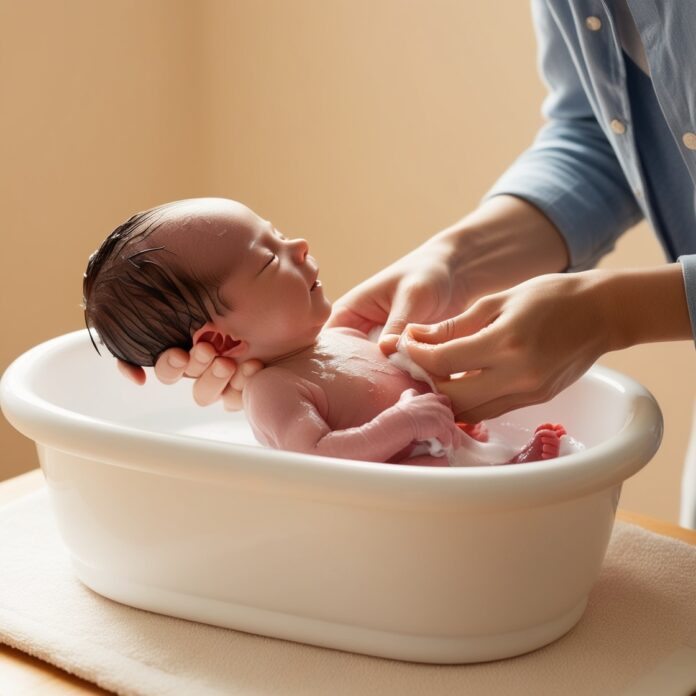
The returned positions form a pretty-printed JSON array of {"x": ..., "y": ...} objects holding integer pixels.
[{"x": 267, "y": 264}]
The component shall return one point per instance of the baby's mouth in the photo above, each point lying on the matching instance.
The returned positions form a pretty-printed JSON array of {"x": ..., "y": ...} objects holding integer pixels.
[{"x": 316, "y": 284}]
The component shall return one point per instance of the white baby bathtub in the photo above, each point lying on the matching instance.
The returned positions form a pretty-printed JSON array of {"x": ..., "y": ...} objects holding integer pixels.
[{"x": 173, "y": 508}]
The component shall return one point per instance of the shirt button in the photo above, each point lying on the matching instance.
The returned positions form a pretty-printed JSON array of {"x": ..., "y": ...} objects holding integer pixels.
[
  {"x": 689, "y": 139},
  {"x": 619, "y": 128},
  {"x": 593, "y": 23}
]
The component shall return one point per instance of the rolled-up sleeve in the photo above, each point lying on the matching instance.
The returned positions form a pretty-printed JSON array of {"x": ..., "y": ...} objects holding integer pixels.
[
  {"x": 688, "y": 264},
  {"x": 571, "y": 173}
]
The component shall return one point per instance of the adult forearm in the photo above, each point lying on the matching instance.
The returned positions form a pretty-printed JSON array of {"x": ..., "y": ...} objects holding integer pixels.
[
  {"x": 505, "y": 241},
  {"x": 645, "y": 305}
]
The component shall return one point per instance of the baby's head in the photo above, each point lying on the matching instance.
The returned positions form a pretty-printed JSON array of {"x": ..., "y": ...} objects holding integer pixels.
[{"x": 203, "y": 269}]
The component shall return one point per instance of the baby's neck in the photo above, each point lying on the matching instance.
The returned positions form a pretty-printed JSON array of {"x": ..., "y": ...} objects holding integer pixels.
[{"x": 298, "y": 355}]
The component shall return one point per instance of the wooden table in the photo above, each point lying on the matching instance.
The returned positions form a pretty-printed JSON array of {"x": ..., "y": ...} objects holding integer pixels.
[{"x": 23, "y": 675}]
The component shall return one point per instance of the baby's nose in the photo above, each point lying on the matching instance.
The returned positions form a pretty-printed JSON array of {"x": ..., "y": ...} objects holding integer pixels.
[{"x": 300, "y": 248}]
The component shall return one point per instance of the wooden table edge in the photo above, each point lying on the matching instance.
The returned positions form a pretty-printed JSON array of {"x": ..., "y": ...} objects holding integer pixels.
[{"x": 30, "y": 676}]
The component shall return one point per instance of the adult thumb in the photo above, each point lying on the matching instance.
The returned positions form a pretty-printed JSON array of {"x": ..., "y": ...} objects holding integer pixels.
[{"x": 401, "y": 308}]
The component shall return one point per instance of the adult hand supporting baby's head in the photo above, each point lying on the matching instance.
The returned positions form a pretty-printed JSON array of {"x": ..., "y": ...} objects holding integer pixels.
[{"x": 216, "y": 377}]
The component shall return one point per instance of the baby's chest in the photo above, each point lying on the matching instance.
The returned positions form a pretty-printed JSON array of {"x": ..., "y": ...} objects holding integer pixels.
[{"x": 356, "y": 396}]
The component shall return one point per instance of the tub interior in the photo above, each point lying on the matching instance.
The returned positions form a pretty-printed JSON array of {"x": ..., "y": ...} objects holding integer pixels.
[{"x": 71, "y": 376}]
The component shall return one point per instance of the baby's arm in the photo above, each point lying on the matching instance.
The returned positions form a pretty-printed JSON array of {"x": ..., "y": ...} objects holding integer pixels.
[{"x": 282, "y": 410}]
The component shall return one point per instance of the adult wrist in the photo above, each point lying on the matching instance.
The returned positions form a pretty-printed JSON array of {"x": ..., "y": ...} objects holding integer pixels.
[
  {"x": 645, "y": 306},
  {"x": 505, "y": 241}
]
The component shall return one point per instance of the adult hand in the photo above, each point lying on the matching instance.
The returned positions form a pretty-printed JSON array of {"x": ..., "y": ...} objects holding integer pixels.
[
  {"x": 503, "y": 242},
  {"x": 215, "y": 376},
  {"x": 418, "y": 287},
  {"x": 517, "y": 347}
]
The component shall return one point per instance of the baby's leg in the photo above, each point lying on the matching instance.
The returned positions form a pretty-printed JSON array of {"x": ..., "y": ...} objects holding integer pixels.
[
  {"x": 478, "y": 431},
  {"x": 545, "y": 444}
]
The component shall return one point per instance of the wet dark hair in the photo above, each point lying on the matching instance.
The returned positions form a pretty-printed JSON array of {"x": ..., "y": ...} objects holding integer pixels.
[{"x": 140, "y": 302}]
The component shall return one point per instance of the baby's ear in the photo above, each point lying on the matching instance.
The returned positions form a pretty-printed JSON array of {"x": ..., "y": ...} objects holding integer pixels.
[{"x": 223, "y": 343}]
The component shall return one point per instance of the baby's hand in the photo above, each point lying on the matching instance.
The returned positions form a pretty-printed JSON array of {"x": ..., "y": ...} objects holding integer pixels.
[
  {"x": 216, "y": 377},
  {"x": 430, "y": 416}
]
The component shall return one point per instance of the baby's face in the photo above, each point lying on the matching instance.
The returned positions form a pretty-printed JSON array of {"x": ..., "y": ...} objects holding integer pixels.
[{"x": 277, "y": 305}]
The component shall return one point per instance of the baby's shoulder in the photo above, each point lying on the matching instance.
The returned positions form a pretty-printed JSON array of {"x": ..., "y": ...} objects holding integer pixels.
[
  {"x": 282, "y": 384},
  {"x": 270, "y": 377},
  {"x": 276, "y": 393}
]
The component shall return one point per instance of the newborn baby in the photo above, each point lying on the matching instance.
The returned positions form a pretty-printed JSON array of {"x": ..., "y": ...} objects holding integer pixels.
[{"x": 212, "y": 270}]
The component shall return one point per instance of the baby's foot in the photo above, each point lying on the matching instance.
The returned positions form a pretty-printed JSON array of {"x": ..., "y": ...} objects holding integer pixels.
[
  {"x": 545, "y": 444},
  {"x": 478, "y": 431}
]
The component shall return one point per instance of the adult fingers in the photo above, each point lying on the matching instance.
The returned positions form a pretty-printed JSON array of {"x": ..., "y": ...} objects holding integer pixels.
[
  {"x": 458, "y": 355},
  {"x": 232, "y": 399},
  {"x": 403, "y": 308},
  {"x": 345, "y": 315},
  {"x": 477, "y": 317},
  {"x": 135, "y": 373},
  {"x": 462, "y": 343},
  {"x": 497, "y": 407},
  {"x": 175, "y": 363},
  {"x": 490, "y": 393},
  {"x": 474, "y": 389},
  {"x": 200, "y": 358},
  {"x": 245, "y": 372},
  {"x": 211, "y": 384},
  {"x": 171, "y": 364}
]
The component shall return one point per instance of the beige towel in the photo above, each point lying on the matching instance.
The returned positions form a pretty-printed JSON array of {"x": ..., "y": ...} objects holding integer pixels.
[{"x": 638, "y": 627}]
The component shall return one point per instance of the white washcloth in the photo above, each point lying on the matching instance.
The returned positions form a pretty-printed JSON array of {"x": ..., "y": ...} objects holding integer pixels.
[
  {"x": 641, "y": 614},
  {"x": 472, "y": 452}
]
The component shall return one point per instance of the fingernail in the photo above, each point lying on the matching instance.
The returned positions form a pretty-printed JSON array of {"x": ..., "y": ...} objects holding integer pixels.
[
  {"x": 420, "y": 328},
  {"x": 200, "y": 354},
  {"x": 176, "y": 361},
  {"x": 220, "y": 369},
  {"x": 388, "y": 338},
  {"x": 248, "y": 370},
  {"x": 408, "y": 337}
]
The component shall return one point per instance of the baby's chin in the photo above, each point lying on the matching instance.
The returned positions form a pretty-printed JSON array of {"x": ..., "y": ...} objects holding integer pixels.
[{"x": 326, "y": 313}]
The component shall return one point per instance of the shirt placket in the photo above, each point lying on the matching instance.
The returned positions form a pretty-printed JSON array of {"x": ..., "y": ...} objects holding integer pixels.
[
  {"x": 674, "y": 86},
  {"x": 599, "y": 39}
]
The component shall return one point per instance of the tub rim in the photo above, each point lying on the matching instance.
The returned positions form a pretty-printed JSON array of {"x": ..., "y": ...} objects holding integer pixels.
[{"x": 171, "y": 454}]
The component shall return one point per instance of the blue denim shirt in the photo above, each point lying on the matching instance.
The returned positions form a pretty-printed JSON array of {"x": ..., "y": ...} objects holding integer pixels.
[{"x": 588, "y": 170}]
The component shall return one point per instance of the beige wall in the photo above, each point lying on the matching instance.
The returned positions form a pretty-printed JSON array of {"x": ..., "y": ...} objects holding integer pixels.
[{"x": 361, "y": 125}]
